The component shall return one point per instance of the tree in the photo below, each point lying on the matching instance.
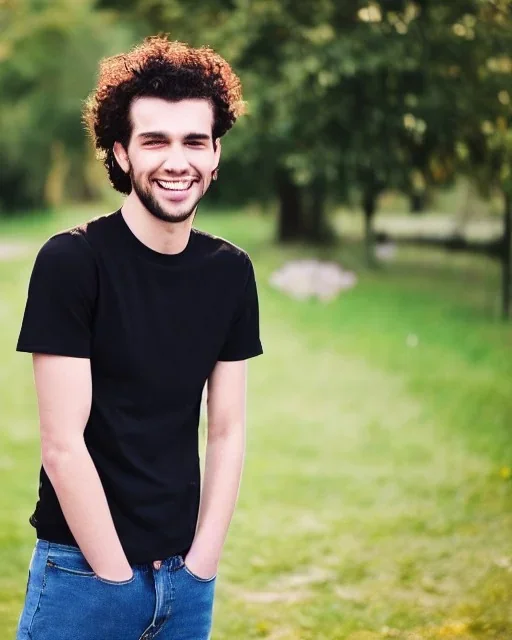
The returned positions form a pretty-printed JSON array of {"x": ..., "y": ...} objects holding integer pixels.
[
  {"x": 350, "y": 97},
  {"x": 48, "y": 61},
  {"x": 275, "y": 149},
  {"x": 485, "y": 146}
]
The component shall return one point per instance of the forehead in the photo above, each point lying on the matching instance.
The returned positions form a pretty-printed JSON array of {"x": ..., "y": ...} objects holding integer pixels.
[{"x": 174, "y": 118}]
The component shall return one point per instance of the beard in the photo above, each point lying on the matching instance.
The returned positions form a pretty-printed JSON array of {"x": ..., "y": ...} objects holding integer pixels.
[{"x": 149, "y": 201}]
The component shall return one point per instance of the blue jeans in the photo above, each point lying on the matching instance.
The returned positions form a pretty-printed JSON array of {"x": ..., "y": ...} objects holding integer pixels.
[{"x": 66, "y": 600}]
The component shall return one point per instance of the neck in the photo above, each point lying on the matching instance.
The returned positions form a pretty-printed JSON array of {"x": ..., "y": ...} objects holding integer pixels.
[{"x": 161, "y": 236}]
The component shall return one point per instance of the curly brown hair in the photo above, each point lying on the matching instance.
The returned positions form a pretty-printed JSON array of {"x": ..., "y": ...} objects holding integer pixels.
[{"x": 163, "y": 69}]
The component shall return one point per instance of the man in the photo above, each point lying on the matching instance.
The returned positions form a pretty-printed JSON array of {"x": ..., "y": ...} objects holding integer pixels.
[{"x": 128, "y": 317}]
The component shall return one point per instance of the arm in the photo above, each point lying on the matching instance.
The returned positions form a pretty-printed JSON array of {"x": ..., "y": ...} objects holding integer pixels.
[
  {"x": 223, "y": 468},
  {"x": 64, "y": 391}
]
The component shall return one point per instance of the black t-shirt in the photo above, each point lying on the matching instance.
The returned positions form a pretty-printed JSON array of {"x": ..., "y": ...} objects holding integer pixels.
[{"x": 153, "y": 325}]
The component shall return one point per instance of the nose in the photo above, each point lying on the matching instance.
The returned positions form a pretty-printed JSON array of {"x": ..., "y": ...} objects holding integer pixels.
[{"x": 176, "y": 160}]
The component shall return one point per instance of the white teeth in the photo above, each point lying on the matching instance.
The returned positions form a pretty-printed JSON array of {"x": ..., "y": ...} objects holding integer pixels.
[{"x": 175, "y": 185}]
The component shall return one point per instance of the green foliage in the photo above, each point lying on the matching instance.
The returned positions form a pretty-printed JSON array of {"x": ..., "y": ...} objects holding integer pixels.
[
  {"x": 48, "y": 61},
  {"x": 345, "y": 98},
  {"x": 358, "y": 96}
]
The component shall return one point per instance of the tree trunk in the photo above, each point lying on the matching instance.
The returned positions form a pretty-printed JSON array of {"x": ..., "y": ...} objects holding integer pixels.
[
  {"x": 290, "y": 222},
  {"x": 316, "y": 227},
  {"x": 506, "y": 256},
  {"x": 369, "y": 207},
  {"x": 417, "y": 203}
]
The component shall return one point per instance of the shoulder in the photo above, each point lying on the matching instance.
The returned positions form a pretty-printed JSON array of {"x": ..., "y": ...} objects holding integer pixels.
[
  {"x": 76, "y": 245},
  {"x": 69, "y": 251},
  {"x": 64, "y": 266},
  {"x": 223, "y": 250},
  {"x": 65, "y": 248}
]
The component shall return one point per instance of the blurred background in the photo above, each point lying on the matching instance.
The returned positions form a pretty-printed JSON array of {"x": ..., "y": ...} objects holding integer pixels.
[{"x": 371, "y": 183}]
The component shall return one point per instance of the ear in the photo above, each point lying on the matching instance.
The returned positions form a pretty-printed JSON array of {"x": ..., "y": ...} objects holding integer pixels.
[
  {"x": 121, "y": 156},
  {"x": 218, "y": 148}
]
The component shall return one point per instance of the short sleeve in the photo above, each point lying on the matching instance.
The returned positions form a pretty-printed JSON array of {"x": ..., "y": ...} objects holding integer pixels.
[
  {"x": 61, "y": 297},
  {"x": 243, "y": 339}
]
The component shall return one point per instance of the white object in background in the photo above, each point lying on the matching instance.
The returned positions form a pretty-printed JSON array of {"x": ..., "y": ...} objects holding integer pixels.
[
  {"x": 303, "y": 279},
  {"x": 385, "y": 250}
]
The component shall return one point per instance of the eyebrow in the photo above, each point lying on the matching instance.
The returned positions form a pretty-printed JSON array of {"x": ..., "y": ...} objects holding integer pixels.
[{"x": 163, "y": 136}]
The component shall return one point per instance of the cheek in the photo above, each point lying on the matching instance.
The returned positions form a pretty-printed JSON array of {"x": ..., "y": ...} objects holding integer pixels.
[
  {"x": 206, "y": 173},
  {"x": 204, "y": 164},
  {"x": 144, "y": 164}
]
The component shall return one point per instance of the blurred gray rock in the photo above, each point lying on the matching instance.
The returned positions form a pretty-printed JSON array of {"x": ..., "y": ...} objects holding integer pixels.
[{"x": 302, "y": 279}]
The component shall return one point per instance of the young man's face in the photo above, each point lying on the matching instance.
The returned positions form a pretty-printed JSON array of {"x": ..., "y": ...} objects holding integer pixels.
[{"x": 170, "y": 156}]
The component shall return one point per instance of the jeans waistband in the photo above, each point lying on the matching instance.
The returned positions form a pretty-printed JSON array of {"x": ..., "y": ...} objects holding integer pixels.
[{"x": 173, "y": 562}]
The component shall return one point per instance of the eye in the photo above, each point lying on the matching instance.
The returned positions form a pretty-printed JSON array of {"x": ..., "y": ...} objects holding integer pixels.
[
  {"x": 152, "y": 143},
  {"x": 195, "y": 143}
]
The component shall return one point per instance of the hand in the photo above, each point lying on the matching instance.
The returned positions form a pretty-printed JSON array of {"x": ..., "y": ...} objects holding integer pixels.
[{"x": 204, "y": 568}]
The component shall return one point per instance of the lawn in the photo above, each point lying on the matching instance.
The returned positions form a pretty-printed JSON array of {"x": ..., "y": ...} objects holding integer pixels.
[{"x": 376, "y": 498}]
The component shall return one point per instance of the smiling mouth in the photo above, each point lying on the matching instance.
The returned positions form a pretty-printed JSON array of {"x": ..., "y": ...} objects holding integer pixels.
[{"x": 174, "y": 185}]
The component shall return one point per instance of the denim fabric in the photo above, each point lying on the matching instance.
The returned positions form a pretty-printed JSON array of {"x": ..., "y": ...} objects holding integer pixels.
[{"x": 66, "y": 600}]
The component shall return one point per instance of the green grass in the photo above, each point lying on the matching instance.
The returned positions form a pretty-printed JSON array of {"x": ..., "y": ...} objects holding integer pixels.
[{"x": 374, "y": 502}]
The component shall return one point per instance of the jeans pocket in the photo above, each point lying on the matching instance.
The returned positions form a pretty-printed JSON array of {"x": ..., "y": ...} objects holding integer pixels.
[
  {"x": 75, "y": 603},
  {"x": 116, "y": 583},
  {"x": 71, "y": 560},
  {"x": 195, "y": 577},
  {"x": 68, "y": 559}
]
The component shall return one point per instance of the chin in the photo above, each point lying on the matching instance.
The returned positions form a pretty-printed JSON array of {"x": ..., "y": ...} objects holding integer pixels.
[{"x": 163, "y": 213}]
